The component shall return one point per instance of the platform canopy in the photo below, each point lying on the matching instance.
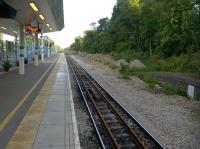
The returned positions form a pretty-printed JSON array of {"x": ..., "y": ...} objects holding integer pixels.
[{"x": 46, "y": 15}]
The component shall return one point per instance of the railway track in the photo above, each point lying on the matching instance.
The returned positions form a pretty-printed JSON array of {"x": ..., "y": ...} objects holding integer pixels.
[{"x": 115, "y": 127}]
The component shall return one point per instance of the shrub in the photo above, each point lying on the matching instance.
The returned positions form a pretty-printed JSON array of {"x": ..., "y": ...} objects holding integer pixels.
[
  {"x": 149, "y": 80},
  {"x": 167, "y": 88},
  {"x": 6, "y": 65},
  {"x": 171, "y": 89},
  {"x": 184, "y": 63}
]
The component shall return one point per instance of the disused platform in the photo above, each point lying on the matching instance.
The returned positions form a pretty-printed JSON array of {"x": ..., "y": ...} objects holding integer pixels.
[{"x": 50, "y": 121}]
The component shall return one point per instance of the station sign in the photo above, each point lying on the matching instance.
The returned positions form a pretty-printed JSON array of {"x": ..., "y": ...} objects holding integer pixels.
[{"x": 32, "y": 29}]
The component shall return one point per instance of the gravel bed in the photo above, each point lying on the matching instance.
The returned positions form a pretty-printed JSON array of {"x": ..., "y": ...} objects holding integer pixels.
[
  {"x": 87, "y": 135},
  {"x": 173, "y": 120}
]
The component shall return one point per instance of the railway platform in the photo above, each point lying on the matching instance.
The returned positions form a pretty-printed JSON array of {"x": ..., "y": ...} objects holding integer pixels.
[
  {"x": 48, "y": 119},
  {"x": 17, "y": 93}
]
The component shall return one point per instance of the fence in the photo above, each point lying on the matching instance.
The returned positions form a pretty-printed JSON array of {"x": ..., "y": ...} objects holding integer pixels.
[{"x": 12, "y": 55}]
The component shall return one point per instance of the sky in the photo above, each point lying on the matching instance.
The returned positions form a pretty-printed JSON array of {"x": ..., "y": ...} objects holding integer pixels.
[{"x": 78, "y": 15}]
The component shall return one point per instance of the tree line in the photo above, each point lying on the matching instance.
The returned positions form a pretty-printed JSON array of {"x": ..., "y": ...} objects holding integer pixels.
[{"x": 164, "y": 27}]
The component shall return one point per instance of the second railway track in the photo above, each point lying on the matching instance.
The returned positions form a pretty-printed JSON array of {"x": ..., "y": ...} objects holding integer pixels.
[{"x": 115, "y": 127}]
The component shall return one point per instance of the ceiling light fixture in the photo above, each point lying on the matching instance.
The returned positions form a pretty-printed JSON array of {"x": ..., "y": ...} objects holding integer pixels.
[
  {"x": 15, "y": 32},
  {"x": 50, "y": 28},
  {"x": 33, "y": 6},
  {"x": 3, "y": 27},
  {"x": 41, "y": 16},
  {"x": 47, "y": 25}
]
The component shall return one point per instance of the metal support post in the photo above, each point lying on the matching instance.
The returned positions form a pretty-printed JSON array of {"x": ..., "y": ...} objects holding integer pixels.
[
  {"x": 48, "y": 48},
  {"x": 36, "y": 63},
  {"x": 21, "y": 48},
  {"x": 42, "y": 48},
  {"x": 15, "y": 50}
]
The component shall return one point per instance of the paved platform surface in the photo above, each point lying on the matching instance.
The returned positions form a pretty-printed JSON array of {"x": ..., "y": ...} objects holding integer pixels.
[
  {"x": 14, "y": 101},
  {"x": 14, "y": 86},
  {"x": 50, "y": 121}
]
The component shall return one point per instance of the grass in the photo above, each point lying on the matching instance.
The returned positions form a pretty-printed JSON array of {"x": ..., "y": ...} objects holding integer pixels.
[
  {"x": 167, "y": 88},
  {"x": 198, "y": 96},
  {"x": 129, "y": 55},
  {"x": 171, "y": 89},
  {"x": 183, "y": 64},
  {"x": 150, "y": 81},
  {"x": 131, "y": 71},
  {"x": 189, "y": 63}
]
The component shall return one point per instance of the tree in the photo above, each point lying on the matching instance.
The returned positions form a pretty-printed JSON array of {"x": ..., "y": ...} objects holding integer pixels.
[
  {"x": 103, "y": 25},
  {"x": 161, "y": 27}
]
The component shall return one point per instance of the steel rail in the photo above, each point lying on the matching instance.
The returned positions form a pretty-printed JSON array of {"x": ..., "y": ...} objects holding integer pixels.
[
  {"x": 135, "y": 137},
  {"x": 108, "y": 131},
  {"x": 88, "y": 109},
  {"x": 128, "y": 113},
  {"x": 132, "y": 134},
  {"x": 99, "y": 88}
]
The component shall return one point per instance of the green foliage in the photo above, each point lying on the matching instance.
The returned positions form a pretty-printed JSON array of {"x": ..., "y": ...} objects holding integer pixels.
[
  {"x": 131, "y": 71},
  {"x": 58, "y": 48},
  {"x": 164, "y": 34},
  {"x": 129, "y": 55},
  {"x": 29, "y": 40},
  {"x": 150, "y": 81},
  {"x": 167, "y": 88},
  {"x": 6, "y": 65},
  {"x": 171, "y": 89},
  {"x": 198, "y": 96},
  {"x": 198, "y": 73},
  {"x": 184, "y": 63},
  {"x": 103, "y": 25},
  {"x": 77, "y": 45}
]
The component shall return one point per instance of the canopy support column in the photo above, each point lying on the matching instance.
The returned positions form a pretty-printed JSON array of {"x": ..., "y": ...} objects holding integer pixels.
[
  {"x": 21, "y": 48},
  {"x": 36, "y": 63},
  {"x": 42, "y": 48},
  {"x": 15, "y": 49},
  {"x": 48, "y": 48}
]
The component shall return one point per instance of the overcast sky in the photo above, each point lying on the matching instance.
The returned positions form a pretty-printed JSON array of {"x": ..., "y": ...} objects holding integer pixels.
[{"x": 78, "y": 14}]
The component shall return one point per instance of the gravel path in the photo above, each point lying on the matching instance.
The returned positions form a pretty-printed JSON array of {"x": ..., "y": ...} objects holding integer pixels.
[{"x": 173, "y": 120}]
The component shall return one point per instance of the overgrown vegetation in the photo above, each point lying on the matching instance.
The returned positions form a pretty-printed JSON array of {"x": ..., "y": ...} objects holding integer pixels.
[
  {"x": 163, "y": 33},
  {"x": 6, "y": 65},
  {"x": 167, "y": 88},
  {"x": 198, "y": 96},
  {"x": 171, "y": 89},
  {"x": 58, "y": 48},
  {"x": 161, "y": 27},
  {"x": 189, "y": 63}
]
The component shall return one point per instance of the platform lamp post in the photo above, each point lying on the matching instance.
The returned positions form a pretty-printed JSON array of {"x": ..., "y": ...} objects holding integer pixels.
[
  {"x": 36, "y": 63},
  {"x": 21, "y": 50}
]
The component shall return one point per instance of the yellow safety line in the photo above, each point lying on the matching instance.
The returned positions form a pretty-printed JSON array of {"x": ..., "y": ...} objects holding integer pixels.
[{"x": 12, "y": 113}]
